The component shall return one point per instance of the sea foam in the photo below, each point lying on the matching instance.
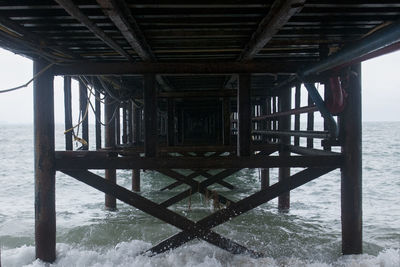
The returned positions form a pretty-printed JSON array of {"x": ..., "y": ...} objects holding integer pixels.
[{"x": 195, "y": 255}]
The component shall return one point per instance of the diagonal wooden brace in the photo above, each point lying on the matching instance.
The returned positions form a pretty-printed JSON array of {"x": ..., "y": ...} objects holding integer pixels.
[
  {"x": 201, "y": 186},
  {"x": 196, "y": 186},
  {"x": 157, "y": 211},
  {"x": 244, "y": 205}
]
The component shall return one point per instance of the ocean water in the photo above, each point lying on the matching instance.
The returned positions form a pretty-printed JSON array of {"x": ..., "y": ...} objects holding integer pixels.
[{"x": 308, "y": 235}]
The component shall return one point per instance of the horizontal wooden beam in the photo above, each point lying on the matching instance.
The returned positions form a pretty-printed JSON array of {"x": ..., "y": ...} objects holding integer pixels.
[
  {"x": 66, "y": 160},
  {"x": 127, "y": 68},
  {"x": 202, "y": 93},
  {"x": 280, "y": 13}
]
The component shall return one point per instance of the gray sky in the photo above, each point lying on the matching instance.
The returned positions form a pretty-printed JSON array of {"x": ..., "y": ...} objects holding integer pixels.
[{"x": 380, "y": 76}]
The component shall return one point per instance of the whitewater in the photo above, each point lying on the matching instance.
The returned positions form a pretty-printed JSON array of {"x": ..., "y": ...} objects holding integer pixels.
[{"x": 308, "y": 235}]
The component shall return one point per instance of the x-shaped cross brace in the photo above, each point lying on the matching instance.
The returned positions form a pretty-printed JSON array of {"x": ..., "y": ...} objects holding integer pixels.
[
  {"x": 159, "y": 212},
  {"x": 202, "y": 228},
  {"x": 196, "y": 187},
  {"x": 196, "y": 173}
]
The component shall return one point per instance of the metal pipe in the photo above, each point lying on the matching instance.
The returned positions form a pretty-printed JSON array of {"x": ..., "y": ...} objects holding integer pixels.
[
  {"x": 375, "y": 41},
  {"x": 308, "y": 134},
  {"x": 316, "y": 97}
]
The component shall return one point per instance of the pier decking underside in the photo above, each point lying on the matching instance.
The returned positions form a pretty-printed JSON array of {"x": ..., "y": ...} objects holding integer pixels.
[{"x": 200, "y": 86}]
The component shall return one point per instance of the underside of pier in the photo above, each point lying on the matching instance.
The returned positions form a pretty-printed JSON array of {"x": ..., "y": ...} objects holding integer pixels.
[{"x": 209, "y": 87}]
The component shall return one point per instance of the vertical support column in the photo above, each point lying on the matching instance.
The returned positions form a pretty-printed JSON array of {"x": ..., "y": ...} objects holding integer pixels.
[
  {"x": 351, "y": 179},
  {"x": 130, "y": 122},
  {"x": 268, "y": 109},
  {"x": 284, "y": 125},
  {"x": 226, "y": 118},
  {"x": 67, "y": 112},
  {"x": 124, "y": 123},
  {"x": 171, "y": 122},
  {"x": 310, "y": 123},
  {"x": 137, "y": 125},
  {"x": 136, "y": 131},
  {"x": 98, "y": 119},
  {"x": 118, "y": 124},
  {"x": 244, "y": 115},
  {"x": 110, "y": 110},
  {"x": 297, "y": 98},
  {"x": 83, "y": 104},
  {"x": 264, "y": 178},
  {"x": 180, "y": 126},
  {"x": 274, "y": 122},
  {"x": 150, "y": 116},
  {"x": 45, "y": 208}
]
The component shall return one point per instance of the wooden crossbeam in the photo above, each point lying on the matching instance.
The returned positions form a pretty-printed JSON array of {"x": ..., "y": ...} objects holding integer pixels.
[
  {"x": 203, "y": 173},
  {"x": 171, "y": 68},
  {"x": 157, "y": 211},
  {"x": 279, "y": 14},
  {"x": 67, "y": 160},
  {"x": 75, "y": 12},
  {"x": 36, "y": 42},
  {"x": 243, "y": 206},
  {"x": 129, "y": 29},
  {"x": 127, "y": 25},
  {"x": 196, "y": 187}
]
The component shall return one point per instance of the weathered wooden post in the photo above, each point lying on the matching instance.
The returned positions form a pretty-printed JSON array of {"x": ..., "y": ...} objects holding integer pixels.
[
  {"x": 45, "y": 207},
  {"x": 284, "y": 125},
  {"x": 226, "y": 118},
  {"x": 297, "y": 99},
  {"x": 150, "y": 116},
  {"x": 351, "y": 179},
  {"x": 264, "y": 178},
  {"x": 124, "y": 123},
  {"x": 171, "y": 122},
  {"x": 136, "y": 124},
  {"x": 110, "y": 108},
  {"x": 130, "y": 122},
  {"x": 98, "y": 119},
  {"x": 244, "y": 115},
  {"x": 118, "y": 125},
  {"x": 310, "y": 123},
  {"x": 265, "y": 108},
  {"x": 83, "y": 102},
  {"x": 67, "y": 112}
]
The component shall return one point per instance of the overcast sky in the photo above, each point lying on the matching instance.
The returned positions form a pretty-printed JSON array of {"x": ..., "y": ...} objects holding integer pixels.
[{"x": 380, "y": 76}]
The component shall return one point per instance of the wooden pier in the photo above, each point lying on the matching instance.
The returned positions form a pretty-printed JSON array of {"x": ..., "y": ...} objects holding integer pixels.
[{"x": 200, "y": 86}]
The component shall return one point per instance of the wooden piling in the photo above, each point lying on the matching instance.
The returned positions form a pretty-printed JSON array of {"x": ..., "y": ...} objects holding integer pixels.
[
  {"x": 150, "y": 116},
  {"x": 297, "y": 99},
  {"x": 244, "y": 115},
  {"x": 226, "y": 118},
  {"x": 110, "y": 110},
  {"x": 68, "y": 113},
  {"x": 124, "y": 123},
  {"x": 45, "y": 208},
  {"x": 284, "y": 125},
  {"x": 98, "y": 119},
  {"x": 264, "y": 172},
  {"x": 310, "y": 123},
  {"x": 130, "y": 122},
  {"x": 137, "y": 125},
  {"x": 136, "y": 180},
  {"x": 83, "y": 102},
  {"x": 351, "y": 178},
  {"x": 171, "y": 122},
  {"x": 118, "y": 125}
]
